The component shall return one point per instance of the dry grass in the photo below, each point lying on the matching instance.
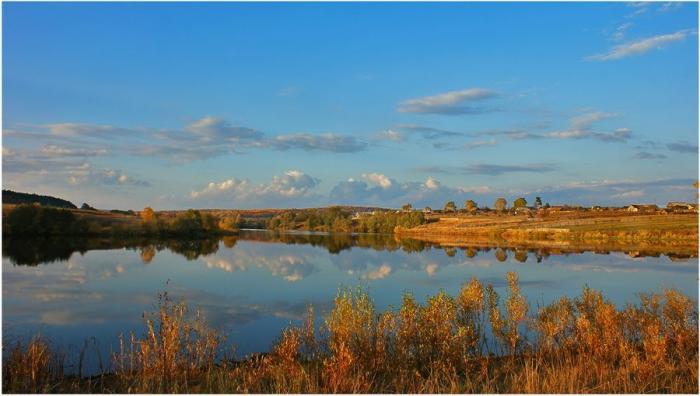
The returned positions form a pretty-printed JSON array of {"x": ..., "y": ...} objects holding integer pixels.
[{"x": 472, "y": 343}]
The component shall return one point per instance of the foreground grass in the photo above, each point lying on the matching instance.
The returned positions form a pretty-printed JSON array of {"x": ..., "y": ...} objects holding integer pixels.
[{"x": 580, "y": 345}]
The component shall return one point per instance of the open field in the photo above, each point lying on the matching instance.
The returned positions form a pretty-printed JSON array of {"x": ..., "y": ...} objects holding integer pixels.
[{"x": 609, "y": 230}]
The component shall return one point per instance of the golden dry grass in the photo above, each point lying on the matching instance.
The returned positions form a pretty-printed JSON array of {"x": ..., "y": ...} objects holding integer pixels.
[{"x": 471, "y": 343}]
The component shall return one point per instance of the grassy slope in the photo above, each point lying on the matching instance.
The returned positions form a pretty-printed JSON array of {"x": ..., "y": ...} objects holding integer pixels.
[{"x": 592, "y": 230}]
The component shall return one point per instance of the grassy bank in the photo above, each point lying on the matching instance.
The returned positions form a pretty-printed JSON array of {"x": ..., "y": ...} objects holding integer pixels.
[
  {"x": 473, "y": 342},
  {"x": 594, "y": 231}
]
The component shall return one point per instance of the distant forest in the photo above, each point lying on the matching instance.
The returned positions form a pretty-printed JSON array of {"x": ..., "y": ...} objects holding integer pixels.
[{"x": 12, "y": 197}]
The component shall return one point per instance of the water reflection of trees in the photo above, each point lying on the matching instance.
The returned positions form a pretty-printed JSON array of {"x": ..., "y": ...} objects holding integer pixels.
[{"x": 36, "y": 251}]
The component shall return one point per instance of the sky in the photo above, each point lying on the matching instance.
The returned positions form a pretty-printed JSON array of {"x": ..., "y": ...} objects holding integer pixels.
[{"x": 221, "y": 105}]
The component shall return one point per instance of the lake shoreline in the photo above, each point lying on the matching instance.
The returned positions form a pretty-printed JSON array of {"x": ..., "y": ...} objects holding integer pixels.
[{"x": 657, "y": 233}]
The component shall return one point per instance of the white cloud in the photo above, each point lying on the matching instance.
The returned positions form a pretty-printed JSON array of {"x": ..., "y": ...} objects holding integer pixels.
[
  {"x": 380, "y": 273},
  {"x": 86, "y": 175},
  {"x": 378, "y": 179},
  {"x": 61, "y": 151},
  {"x": 449, "y": 103},
  {"x": 620, "y": 31},
  {"x": 580, "y": 127},
  {"x": 586, "y": 120},
  {"x": 222, "y": 187},
  {"x": 392, "y": 135},
  {"x": 282, "y": 190},
  {"x": 325, "y": 142},
  {"x": 432, "y": 183},
  {"x": 210, "y": 129},
  {"x": 641, "y": 46},
  {"x": 629, "y": 194},
  {"x": 292, "y": 184}
]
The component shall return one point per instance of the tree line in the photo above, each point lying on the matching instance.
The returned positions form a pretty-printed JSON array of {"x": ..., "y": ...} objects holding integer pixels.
[
  {"x": 471, "y": 206},
  {"x": 47, "y": 221},
  {"x": 337, "y": 219}
]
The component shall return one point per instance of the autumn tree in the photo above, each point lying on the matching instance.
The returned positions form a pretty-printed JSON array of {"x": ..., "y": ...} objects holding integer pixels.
[
  {"x": 501, "y": 255},
  {"x": 470, "y": 205},
  {"x": 500, "y": 205},
  {"x": 520, "y": 203},
  {"x": 450, "y": 207},
  {"x": 230, "y": 223},
  {"x": 148, "y": 215}
]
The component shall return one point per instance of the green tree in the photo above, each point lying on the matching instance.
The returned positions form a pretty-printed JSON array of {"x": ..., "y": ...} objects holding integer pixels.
[
  {"x": 520, "y": 203},
  {"x": 428, "y": 209},
  {"x": 538, "y": 202},
  {"x": 500, "y": 205},
  {"x": 450, "y": 206},
  {"x": 407, "y": 207},
  {"x": 470, "y": 205},
  {"x": 85, "y": 206}
]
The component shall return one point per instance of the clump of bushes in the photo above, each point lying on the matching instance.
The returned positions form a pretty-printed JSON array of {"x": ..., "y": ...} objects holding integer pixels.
[{"x": 337, "y": 219}]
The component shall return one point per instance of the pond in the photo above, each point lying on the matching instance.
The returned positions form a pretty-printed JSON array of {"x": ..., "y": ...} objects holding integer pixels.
[{"x": 254, "y": 285}]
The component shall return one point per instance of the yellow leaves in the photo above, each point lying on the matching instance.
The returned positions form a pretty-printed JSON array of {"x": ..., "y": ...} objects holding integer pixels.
[{"x": 148, "y": 215}]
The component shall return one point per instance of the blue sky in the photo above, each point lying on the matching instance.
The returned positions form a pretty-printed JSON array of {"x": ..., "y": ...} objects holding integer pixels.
[{"x": 178, "y": 105}]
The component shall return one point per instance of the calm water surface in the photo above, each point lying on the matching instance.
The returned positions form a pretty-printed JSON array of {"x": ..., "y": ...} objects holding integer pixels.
[{"x": 253, "y": 286}]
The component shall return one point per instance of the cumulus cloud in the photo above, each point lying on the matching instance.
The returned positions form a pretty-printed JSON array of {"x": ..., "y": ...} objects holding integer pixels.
[
  {"x": 281, "y": 190},
  {"x": 432, "y": 183},
  {"x": 379, "y": 273},
  {"x": 214, "y": 188},
  {"x": 388, "y": 192},
  {"x": 641, "y": 46},
  {"x": 292, "y": 184},
  {"x": 378, "y": 179},
  {"x": 449, "y": 103}
]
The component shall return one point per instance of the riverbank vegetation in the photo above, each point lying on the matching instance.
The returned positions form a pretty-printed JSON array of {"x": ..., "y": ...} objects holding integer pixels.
[
  {"x": 473, "y": 342},
  {"x": 338, "y": 219},
  {"x": 36, "y": 220}
]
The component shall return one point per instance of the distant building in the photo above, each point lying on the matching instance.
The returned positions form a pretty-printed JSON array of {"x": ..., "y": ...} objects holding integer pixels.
[
  {"x": 681, "y": 206},
  {"x": 642, "y": 208}
]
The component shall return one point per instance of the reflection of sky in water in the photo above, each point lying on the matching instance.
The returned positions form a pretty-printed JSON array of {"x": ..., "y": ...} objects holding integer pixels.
[{"x": 254, "y": 289}]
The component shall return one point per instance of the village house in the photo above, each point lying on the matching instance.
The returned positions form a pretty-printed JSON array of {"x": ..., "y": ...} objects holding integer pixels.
[
  {"x": 642, "y": 208},
  {"x": 681, "y": 206}
]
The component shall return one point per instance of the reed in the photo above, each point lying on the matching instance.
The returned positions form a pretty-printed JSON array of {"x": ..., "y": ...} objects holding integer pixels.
[{"x": 470, "y": 343}]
